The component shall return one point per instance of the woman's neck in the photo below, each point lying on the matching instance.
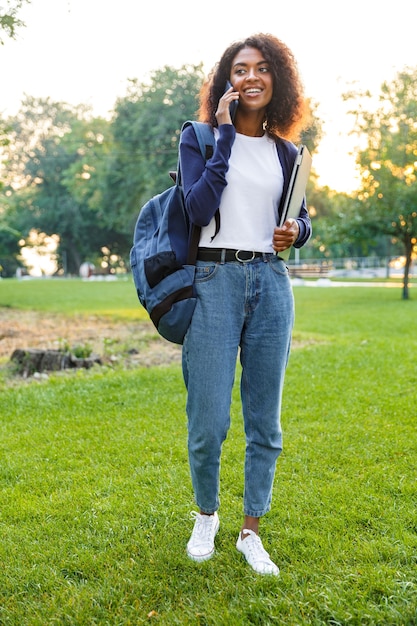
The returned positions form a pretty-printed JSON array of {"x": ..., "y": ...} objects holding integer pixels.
[{"x": 251, "y": 125}]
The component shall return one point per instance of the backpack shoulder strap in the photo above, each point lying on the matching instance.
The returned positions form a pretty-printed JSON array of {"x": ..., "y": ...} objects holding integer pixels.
[
  {"x": 205, "y": 137},
  {"x": 206, "y": 142}
]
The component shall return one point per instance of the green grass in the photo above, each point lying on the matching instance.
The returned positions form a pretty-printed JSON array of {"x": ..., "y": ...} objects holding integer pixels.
[
  {"x": 95, "y": 491},
  {"x": 117, "y": 298}
]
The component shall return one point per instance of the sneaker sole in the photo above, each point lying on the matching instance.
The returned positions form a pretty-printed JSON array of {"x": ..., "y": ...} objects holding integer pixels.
[{"x": 200, "y": 558}]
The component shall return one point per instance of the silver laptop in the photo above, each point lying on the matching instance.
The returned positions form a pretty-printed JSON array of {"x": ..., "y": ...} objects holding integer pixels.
[{"x": 296, "y": 190}]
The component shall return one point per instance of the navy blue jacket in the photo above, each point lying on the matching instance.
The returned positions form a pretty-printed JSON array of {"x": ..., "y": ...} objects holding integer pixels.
[{"x": 203, "y": 181}]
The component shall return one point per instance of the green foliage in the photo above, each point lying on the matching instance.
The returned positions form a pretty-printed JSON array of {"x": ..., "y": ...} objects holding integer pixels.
[
  {"x": 312, "y": 135},
  {"x": 96, "y": 493},
  {"x": 58, "y": 163},
  {"x": 9, "y": 20},
  {"x": 382, "y": 218},
  {"x": 9, "y": 238},
  {"x": 85, "y": 179},
  {"x": 146, "y": 129},
  {"x": 388, "y": 164}
]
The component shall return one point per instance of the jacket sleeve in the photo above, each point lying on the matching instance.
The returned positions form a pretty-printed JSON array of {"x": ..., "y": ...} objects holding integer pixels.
[
  {"x": 287, "y": 152},
  {"x": 203, "y": 181},
  {"x": 304, "y": 224}
]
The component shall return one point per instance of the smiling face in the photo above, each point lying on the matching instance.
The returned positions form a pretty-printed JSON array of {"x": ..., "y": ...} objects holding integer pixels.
[{"x": 251, "y": 76}]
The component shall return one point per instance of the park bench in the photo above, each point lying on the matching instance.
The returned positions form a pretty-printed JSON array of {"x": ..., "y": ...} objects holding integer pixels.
[{"x": 308, "y": 270}]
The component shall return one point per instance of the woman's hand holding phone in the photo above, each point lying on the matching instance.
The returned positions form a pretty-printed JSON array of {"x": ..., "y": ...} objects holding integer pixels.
[{"x": 227, "y": 105}]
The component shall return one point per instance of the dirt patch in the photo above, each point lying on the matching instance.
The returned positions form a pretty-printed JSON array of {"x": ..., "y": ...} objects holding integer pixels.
[
  {"x": 129, "y": 344},
  {"x": 135, "y": 343}
]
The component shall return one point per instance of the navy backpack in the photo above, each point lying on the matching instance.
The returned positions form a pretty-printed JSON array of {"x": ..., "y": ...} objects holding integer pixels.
[{"x": 164, "y": 253}]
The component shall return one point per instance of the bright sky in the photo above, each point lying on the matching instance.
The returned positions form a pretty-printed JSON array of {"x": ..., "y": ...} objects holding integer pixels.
[{"x": 84, "y": 52}]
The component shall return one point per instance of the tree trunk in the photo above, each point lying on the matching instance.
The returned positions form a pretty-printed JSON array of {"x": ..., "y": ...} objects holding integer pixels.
[
  {"x": 408, "y": 249},
  {"x": 73, "y": 258}
]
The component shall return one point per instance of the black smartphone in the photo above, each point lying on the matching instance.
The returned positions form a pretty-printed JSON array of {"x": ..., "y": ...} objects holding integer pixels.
[{"x": 233, "y": 105}]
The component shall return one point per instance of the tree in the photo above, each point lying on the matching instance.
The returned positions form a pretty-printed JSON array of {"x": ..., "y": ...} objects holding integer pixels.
[
  {"x": 324, "y": 204},
  {"x": 55, "y": 160},
  {"x": 312, "y": 135},
  {"x": 85, "y": 179},
  {"x": 146, "y": 129},
  {"x": 388, "y": 164},
  {"x": 9, "y": 21}
]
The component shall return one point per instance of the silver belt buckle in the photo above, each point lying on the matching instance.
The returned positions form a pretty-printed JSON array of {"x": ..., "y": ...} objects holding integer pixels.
[{"x": 244, "y": 260}]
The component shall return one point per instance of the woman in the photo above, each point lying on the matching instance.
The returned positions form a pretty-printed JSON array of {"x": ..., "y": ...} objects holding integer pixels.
[{"x": 244, "y": 296}]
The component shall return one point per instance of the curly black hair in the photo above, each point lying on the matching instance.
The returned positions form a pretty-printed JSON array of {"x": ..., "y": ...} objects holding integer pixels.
[{"x": 287, "y": 113}]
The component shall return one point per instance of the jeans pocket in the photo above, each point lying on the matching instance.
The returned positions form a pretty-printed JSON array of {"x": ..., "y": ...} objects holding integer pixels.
[
  {"x": 278, "y": 266},
  {"x": 205, "y": 271}
]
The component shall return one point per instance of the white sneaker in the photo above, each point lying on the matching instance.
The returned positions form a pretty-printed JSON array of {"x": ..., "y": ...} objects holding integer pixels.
[
  {"x": 255, "y": 554},
  {"x": 201, "y": 544}
]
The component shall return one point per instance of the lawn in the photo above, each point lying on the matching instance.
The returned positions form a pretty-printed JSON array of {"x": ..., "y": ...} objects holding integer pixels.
[
  {"x": 96, "y": 496},
  {"x": 71, "y": 297}
]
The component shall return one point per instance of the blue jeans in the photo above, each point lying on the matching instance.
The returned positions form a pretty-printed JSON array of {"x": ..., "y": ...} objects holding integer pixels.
[{"x": 249, "y": 306}]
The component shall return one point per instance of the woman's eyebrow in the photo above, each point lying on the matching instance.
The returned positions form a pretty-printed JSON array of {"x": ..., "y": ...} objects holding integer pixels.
[{"x": 245, "y": 64}]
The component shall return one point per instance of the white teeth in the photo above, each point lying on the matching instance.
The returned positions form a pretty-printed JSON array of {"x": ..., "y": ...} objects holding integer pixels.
[{"x": 253, "y": 91}]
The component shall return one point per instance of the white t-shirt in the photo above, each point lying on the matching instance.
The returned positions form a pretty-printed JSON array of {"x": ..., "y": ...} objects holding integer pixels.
[{"x": 249, "y": 203}]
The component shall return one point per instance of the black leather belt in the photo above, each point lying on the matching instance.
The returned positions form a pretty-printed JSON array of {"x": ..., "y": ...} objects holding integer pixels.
[{"x": 221, "y": 255}]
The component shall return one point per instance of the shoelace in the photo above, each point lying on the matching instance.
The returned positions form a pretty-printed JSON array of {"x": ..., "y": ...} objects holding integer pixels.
[
  {"x": 255, "y": 547},
  {"x": 203, "y": 527}
]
